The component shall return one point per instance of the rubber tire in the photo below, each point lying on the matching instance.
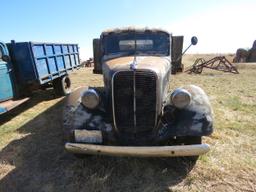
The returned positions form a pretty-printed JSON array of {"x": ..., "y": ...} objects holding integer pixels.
[{"x": 62, "y": 86}]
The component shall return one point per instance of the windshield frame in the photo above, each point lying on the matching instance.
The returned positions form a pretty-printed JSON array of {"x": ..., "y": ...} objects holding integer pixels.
[{"x": 136, "y": 35}]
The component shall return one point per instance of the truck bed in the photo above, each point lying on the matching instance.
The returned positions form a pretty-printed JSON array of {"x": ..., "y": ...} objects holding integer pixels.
[{"x": 43, "y": 62}]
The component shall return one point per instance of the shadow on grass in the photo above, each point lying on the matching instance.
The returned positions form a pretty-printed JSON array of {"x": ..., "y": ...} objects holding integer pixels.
[{"x": 41, "y": 164}]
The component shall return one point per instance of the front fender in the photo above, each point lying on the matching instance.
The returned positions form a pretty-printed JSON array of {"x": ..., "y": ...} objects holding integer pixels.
[
  {"x": 77, "y": 117},
  {"x": 194, "y": 120},
  {"x": 73, "y": 99}
]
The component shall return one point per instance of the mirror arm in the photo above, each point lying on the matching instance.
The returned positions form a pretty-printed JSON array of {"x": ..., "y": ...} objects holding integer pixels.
[
  {"x": 183, "y": 52},
  {"x": 186, "y": 49}
]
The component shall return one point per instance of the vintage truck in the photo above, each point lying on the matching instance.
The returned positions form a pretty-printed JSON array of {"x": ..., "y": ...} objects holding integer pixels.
[
  {"x": 135, "y": 113},
  {"x": 26, "y": 66}
]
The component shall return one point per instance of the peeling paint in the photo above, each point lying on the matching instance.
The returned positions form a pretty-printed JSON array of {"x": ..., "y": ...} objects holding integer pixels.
[{"x": 200, "y": 101}]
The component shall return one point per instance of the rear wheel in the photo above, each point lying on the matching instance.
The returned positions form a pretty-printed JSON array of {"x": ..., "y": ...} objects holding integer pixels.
[{"x": 62, "y": 86}]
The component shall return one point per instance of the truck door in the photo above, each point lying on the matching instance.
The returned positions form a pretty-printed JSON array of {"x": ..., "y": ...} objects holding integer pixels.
[{"x": 6, "y": 74}]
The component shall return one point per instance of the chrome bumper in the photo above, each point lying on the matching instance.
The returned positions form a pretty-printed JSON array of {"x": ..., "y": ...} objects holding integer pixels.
[{"x": 148, "y": 151}]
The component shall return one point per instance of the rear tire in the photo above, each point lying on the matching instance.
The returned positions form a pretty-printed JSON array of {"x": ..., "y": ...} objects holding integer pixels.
[{"x": 62, "y": 86}]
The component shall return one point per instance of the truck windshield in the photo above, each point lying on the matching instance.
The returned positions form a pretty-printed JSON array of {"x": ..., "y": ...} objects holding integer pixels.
[{"x": 147, "y": 43}]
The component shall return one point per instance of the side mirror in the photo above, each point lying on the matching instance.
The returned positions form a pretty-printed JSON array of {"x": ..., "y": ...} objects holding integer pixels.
[
  {"x": 6, "y": 58},
  {"x": 176, "y": 58},
  {"x": 194, "y": 40}
]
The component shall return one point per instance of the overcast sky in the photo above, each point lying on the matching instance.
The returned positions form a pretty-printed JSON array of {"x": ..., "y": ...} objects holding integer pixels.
[{"x": 221, "y": 26}]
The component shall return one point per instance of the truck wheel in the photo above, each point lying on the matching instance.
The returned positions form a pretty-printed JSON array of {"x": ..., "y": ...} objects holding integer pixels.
[
  {"x": 62, "y": 86},
  {"x": 199, "y": 70}
]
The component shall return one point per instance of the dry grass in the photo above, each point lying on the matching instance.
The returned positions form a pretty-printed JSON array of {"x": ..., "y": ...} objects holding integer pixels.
[{"x": 32, "y": 156}]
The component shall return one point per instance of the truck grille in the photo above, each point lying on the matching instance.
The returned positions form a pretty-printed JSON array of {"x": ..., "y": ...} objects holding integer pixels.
[{"x": 126, "y": 119}]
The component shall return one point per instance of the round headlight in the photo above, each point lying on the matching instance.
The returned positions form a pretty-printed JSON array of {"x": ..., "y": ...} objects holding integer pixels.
[
  {"x": 180, "y": 98},
  {"x": 90, "y": 99}
]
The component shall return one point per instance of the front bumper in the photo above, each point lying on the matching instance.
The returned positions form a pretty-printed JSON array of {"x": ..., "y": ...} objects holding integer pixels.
[{"x": 148, "y": 151}]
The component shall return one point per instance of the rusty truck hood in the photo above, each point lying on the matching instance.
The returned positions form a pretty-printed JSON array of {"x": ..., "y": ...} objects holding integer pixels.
[{"x": 157, "y": 64}]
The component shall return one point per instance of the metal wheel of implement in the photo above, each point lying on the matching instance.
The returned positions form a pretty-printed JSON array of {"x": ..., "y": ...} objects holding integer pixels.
[{"x": 198, "y": 70}]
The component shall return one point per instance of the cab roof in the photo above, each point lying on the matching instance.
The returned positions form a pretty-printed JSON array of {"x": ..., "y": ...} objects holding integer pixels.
[{"x": 133, "y": 29}]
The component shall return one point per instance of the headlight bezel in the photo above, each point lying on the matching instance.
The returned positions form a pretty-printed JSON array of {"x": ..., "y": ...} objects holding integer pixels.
[
  {"x": 180, "y": 98},
  {"x": 90, "y": 99}
]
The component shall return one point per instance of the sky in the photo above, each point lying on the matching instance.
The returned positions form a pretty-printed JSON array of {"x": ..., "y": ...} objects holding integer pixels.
[{"x": 221, "y": 26}]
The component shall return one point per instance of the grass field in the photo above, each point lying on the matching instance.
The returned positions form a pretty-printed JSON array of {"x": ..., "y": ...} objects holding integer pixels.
[{"x": 32, "y": 157}]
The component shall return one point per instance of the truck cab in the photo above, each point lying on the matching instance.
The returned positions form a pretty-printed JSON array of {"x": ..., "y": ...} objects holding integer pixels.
[
  {"x": 6, "y": 89},
  {"x": 6, "y": 76},
  {"x": 135, "y": 113}
]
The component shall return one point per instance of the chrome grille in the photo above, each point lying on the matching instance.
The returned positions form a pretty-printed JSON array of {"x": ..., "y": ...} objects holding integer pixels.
[{"x": 143, "y": 119}]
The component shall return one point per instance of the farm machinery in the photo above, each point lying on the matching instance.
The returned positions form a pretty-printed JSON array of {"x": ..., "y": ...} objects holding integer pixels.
[
  {"x": 219, "y": 63},
  {"x": 243, "y": 55}
]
